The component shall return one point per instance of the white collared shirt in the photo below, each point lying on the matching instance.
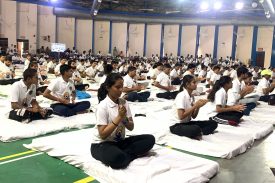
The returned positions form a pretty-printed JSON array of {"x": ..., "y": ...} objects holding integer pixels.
[
  {"x": 174, "y": 73},
  {"x": 128, "y": 82},
  {"x": 60, "y": 88},
  {"x": 21, "y": 94},
  {"x": 221, "y": 97},
  {"x": 106, "y": 112},
  {"x": 183, "y": 101},
  {"x": 215, "y": 77},
  {"x": 263, "y": 84},
  {"x": 164, "y": 80}
]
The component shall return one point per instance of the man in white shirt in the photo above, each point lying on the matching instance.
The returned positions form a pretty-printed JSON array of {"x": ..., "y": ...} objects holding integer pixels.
[
  {"x": 157, "y": 68},
  {"x": 57, "y": 68},
  {"x": 92, "y": 70},
  {"x": 7, "y": 73},
  {"x": 264, "y": 87},
  {"x": 23, "y": 99},
  {"x": 81, "y": 68},
  {"x": 215, "y": 76},
  {"x": 190, "y": 70},
  {"x": 176, "y": 79},
  {"x": 76, "y": 77},
  {"x": 62, "y": 92},
  {"x": 132, "y": 89},
  {"x": 27, "y": 61},
  {"x": 239, "y": 90},
  {"x": 163, "y": 82}
]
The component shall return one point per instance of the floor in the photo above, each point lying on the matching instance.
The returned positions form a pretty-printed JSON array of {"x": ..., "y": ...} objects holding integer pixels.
[{"x": 18, "y": 164}]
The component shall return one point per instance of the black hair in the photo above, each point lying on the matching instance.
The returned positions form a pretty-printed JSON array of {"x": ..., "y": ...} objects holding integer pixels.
[
  {"x": 29, "y": 73},
  {"x": 249, "y": 75},
  {"x": 108, "y": 68},
  {"x": 191, "y": 66},
  {"x": 64, "y": 68},
  {"x": 70, "y": 62},
  {"x": 32, "y": 64},
  {"x": 219, "y": 84},
  {"x": 9, "y": 58},
  {"x": 108, "y": 83},
  {"x": 131, "y": 68},
  {"x": 167, "y": 66},
  {"x": 216, "y": 67},
  {"x": 186, "y": 80},
  {"x": 241, "y": 70}
]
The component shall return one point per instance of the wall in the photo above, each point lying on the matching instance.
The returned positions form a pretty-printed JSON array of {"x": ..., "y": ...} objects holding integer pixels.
[
  {"x": 225, "y": 41},
  {"x": 188, "y": 40},
  {"x": 171, "y": 36},
  {"x": 27, "y": 24},
  {"x": 37, "y": 22},
  {"x": 244, "y": 43},
  {"x": 206, "y": 43},
  {"x": 84, "y": 35},
  {"x": 264, "y": 41},
  {"x": 46, "y": 26},
  {"x": 153, "y": 39},
  {"x": 119, "y": 36},
  {"x": 8, "y": 21},
  {"x": 136, "y": 39},
  {"x": 66, "y": 31},
  {"x": 102, "y": 35}
]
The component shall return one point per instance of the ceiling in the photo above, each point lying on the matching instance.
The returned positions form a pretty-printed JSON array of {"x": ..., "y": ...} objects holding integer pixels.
[
  {"x": 185, "y": 8},
  {"x": 175, "y": 7}
]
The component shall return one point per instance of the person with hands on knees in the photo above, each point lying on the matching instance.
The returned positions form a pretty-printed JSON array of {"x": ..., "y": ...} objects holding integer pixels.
[
  {"x": 132, "y": 89},
  {"x": 113, "y": 115},
  {"x": 226, "y": 114},
  {"x": 185, "y": 109},
  {"x": 24, "y": 106},
  {"x": 163, "y": 82},
  {"x": 62, "y": 92}
]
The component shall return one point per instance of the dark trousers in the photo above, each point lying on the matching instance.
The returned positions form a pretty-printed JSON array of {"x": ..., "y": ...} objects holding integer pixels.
[
  {"x": 9, "y": 81},
  {"x": 141, "y": 97},
  {"x": 118, "y": 155},
  {"x": 249, "y": 107},
  {"x": 194, "y": 129},
  {"x": 176, "y": 81},
  {"x": 81, "y": 87},
  {"x": 70, "y": 109},
  {"x": 265, "y": 98},
  {"x": 40, "y": 90},
  {"x": 167, "y": 95},
  {"x": 22, "y": 115},
  {"x": 231, "y": 118}
]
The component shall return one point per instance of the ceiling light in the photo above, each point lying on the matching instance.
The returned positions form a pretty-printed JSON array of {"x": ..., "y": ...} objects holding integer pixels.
[
  {"x": 261, "y": 1},
  {"x": 254, "y": 5},
  {"x": 217, "y": 5},
  {"x": 239, "y": 5},
  {"x": 204, "y": 6},
  {"x": 53, "y": 1}
]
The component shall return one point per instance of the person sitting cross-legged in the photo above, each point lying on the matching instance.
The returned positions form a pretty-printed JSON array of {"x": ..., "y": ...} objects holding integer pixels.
[{"x": 62, "y": 92}]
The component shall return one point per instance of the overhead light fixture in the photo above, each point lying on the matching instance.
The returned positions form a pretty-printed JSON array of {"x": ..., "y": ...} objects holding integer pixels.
[
  {"x": 204, "y": 6},
  {"x": 54, "y": 1},
  {"x": 254, "y": 4},
  {"x": 239, "y": 5},
  {"x": 217, "y": 5},
  {"x": 261, "y": 1},
  {"x": 95, "y": 7}
]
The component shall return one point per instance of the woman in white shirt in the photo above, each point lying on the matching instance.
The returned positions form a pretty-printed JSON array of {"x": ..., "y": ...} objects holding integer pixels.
[
  {"x": 226, "y": 114},
  {"x": 186, "y": 108},
  {"x": 113, "y": 116},
  {"x": 264, "y": 87}
]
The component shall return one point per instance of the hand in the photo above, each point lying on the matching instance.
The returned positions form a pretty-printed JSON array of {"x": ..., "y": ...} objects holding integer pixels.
[
  {"x": 73, "y": 100},
  {"x": 201, "y": 103},
  {"x": 43, "y": 112},
  {"x": 122, "y": 111},
  {"x": 63, "y": 101},
  {"x": 249, "y": 89},
  {"x": 239, "y": 108}
]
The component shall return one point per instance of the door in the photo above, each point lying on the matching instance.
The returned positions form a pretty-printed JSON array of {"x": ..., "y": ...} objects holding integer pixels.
[
  {"x": 23, "y": 46},
  {"x": 260, "y": 56},
  {"x": 4, "y": 43}
]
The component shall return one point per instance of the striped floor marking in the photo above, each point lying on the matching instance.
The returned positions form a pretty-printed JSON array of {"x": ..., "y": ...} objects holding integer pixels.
[
  {"x": 15, "y": 155},
  {"x": 17, "y": 159},
  {"x": 85, "y": 180}
]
